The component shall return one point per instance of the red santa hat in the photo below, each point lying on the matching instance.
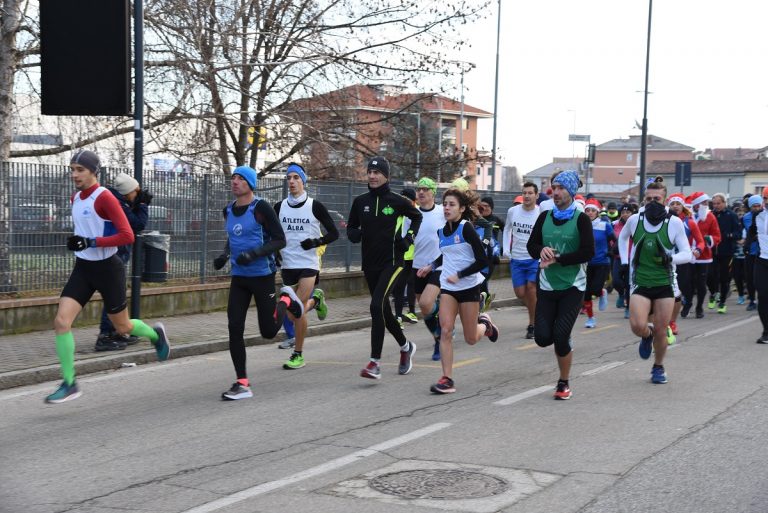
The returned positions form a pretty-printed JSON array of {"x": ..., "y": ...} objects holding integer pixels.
[
  {"x": 699, "y": 197},
  {"x": 593, "y": 203},
  {"x": 676, "y": 197}
]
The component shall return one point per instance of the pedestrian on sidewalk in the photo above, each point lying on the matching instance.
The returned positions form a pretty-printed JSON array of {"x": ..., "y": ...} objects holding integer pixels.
[
  {"x": 403, "y": 291},
  {"x": 254, "y": 234},
  {"x": 426, "y": 249},
  {"x": 562, "y": 238},
  {"x": 658, "y": 242},
  {"x": 134, "y": 201},
  {"x": 463, "y": 256},
  {"x": 373, "y": 221},
  {"x": 522, "y": 268},
  {"x": 95, "y": 214},
  {"x": 302, "y": 218}
]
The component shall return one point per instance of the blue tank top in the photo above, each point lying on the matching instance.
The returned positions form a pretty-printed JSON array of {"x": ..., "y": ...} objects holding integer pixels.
[
  {"x": 245, "y": 233},
  {"x": 600, "y": 230}
]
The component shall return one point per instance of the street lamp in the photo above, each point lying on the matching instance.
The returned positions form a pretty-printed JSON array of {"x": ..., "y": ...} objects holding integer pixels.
[
  {"x": 495, "y": 101},
  {"x": 644, "y": 131}
]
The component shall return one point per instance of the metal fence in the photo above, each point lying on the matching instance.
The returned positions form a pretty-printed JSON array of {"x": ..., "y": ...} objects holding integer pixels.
[{"x": 187, "y": 207}]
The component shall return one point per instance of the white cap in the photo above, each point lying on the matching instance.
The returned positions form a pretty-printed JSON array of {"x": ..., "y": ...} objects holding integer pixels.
[{"x": 125, "y": 184}]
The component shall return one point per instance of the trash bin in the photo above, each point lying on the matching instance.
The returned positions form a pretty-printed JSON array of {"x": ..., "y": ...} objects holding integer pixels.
[{"x": 156, "y": 246}]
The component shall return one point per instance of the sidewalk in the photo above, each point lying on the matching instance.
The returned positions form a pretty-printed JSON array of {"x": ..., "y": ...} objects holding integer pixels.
[{"x": 31, "y": 357}]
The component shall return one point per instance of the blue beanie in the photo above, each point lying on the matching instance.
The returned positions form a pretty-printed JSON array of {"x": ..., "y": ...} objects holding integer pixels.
[
  {"x": 755, "y": 199},
  {"x": 569, "y": 179},
  {"x": 295, "y": 168},
  {"x": 248, "y": 174}
]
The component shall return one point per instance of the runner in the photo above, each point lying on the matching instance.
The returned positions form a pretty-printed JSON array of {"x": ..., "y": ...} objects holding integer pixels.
[
  {"x": 599, "y": 267},
  {"x": 100, "y": 227},
  {"x": 462, "y": 257},
  {"x": 755, "y": 204},
  {"x": 403, "y": 290},
  {"x": 562, "y": 238},
  {"x": 619, "y": 282},
  {"x": 758, "y": 233},
  {"x": 655, "y": 234},
  {"x": 720, "y": 271},
  {"x": 301, "y": 218},
  {"x": 254, "y": 234},
  {"x": 522, "y": 268},
  {"x": 684, "y": 271},
  {"x": 373, "y": 220},
  {"x": 711, "y": 232},
  {"x": 426, "y": 250}
]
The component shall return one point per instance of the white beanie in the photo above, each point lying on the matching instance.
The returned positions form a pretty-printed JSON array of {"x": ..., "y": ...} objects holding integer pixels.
[{"x": 125, "y": 184}]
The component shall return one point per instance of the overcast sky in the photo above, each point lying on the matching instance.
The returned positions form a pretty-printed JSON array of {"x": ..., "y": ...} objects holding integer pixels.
[{"x": 566, "y": 63}]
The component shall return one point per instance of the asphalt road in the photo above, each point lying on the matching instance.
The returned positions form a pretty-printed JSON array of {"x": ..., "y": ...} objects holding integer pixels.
[{"x": 157, "y": 438}]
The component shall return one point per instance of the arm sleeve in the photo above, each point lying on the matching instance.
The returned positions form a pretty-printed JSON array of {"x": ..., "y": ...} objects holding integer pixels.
[
  {"x": 266, "y": 216},
  {"x": 506, "y": 237},
  {"x": 536, "y": 240},
  {"x": 353, "y": 221},
  {"x": 137, "y": 216},
  {"x": 277, "y": 209},
  {"x": 322, "y": 215},
  {"x": 107, "y": 207},
  {"x": 438, "y": 262},
  {"x": 680, "y": 240},
  {"x": 714, "y": 229},
  {"x": 413, "y": 214},
  {"x": 586, "y": 249},
  {"x": 624, "y": 238},
  {"x": 481, "y": 259},
  {"x": 751, "y": 232}
]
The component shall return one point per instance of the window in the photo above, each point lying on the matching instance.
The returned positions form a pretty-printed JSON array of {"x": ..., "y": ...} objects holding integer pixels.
[{"x": 629, "y": 157}]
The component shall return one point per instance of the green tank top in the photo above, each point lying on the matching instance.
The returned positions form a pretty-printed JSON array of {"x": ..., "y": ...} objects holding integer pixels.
[
  {"x": 564, "y": 239},
  {"x": 648, "y": 270}
]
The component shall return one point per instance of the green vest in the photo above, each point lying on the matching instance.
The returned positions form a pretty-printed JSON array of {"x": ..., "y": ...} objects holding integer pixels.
[
  {"x": 564, "y": 239},
  {"x": 648, "y": 271},
  {"x": 408, "y": 255}
]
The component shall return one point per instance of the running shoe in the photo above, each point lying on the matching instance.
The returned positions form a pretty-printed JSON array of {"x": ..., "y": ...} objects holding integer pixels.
[
  {"x": 591, "y": 323},
  {"x": 371, "y": 371},
  {"x": 763, "y": 340},
  {"x": 752, "y": 306},
  {"x": 105, "y": 342},
  {"x": 620, "y": 302},
  {"x": 288, "y": 343},
  {"x": 626, "y": 313},
  {"x": 410, "y": 318},
  {"x": 529, "y": 333},
  {"x": 491, "y": 331},
  {"x": 646, "y": 347},
  {"x": 562, "y": 391},
  {"x": 444, "y": 385},
  {"x": 699, "y": 314},
  {"x": 602, "y": 302},
  {"x": 295, "y": 361},
  {"x": 741, "y": 300},
  {"x": 126, "y": 339},
  {"x": 673, "y": 326},
  {"x": 671, "y": 338},
  {"x": 685, "y": 311},
  {"x": 64, "y": 393},
  {"x": 294, "y": 306},
  {"x": 162, "y": 345},
  {"x": 658, "y": 376},
  {"x": 237, "y": 391},
  {"x": 712, "y": 302},
  {"x": 406, "y": 359},
  {"x": 321, "y": 307},
  {"x": 436, "y": 351},
  {"x": 722, "y": 309}
]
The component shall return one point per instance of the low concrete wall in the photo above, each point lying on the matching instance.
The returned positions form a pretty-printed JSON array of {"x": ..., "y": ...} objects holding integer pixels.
[{"x": 36, "y": 314}]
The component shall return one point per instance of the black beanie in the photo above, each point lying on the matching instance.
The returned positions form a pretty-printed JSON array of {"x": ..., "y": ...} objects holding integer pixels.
[
  {"x": 87, "y": 159},
  {"x": 380, "y": 164},
  {"x": 409, "y": 193},
  {"x": 487, "y": 199}
]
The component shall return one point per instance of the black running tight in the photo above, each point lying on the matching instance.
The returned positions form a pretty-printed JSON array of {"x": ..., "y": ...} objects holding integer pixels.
[
  {"x": 556, "y": 313},
  {"x": 761, "y": 285},
  {"x": 380, "y": 285}
]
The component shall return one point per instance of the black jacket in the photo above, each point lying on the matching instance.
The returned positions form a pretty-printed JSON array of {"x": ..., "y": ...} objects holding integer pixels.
[
  {"x": 730, "y": 231},
  {"x": 373, "y": 219}
]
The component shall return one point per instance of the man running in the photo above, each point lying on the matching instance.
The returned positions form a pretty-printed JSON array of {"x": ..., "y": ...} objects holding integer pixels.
[
  {"x": 100, "y": 227},
  {"x": 254, "y": 234},
  {"x": 758, "y": 234},
  {"x": 301, "y": 218},
  {"x": 751, "y": 250},
  {"x": 523, "y": 268},
  {"x": 710, "y": 230},
  {"x": 720, "y": 270},
  {"x": 373, "y": 220},
  {"x": 562, "y": 238},
  {"x": 655, "y": 234}
]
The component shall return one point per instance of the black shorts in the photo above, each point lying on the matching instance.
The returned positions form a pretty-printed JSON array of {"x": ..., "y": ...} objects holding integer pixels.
[
  {"x": 291, "y": 277},
  {"x": 419, "y": 284},
  {"x": 463, "y": 296},
  {"x": 105, "y": 276},
  {"x": 652, "y": 293}
]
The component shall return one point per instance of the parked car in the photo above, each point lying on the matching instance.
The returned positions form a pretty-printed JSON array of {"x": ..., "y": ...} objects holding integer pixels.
[{"x": 35, "y": 218}]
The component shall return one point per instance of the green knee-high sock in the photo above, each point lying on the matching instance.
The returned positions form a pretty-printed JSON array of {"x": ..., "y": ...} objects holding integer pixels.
[
  {"x": 140, "y": 329},
  {"x": 65, "y": 348}
]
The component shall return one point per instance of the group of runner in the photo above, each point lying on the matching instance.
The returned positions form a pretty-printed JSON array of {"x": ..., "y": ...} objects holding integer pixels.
[{"x": 562, "y": 251}]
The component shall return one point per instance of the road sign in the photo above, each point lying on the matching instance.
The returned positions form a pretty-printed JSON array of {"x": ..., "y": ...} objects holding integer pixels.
[
  {"x": 578, "y": 137},
  {"x": 682, "y": 174}
]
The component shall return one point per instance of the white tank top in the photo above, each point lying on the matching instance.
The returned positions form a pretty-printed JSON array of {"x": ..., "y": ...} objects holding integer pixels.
[
  {"x": 299, "y": 223},
  {"x": 88, "y": 224},
  {"x": 427, "y": 247},
  {"x": 457, "y": 255}
]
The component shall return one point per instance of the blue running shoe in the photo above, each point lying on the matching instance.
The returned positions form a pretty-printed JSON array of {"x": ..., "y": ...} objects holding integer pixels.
[
  {"x": 646, "y": 347},
  {"x": 436, "y": 351},
  {"x": 626, "y": 313},
  {"x": 162, "y": 345},
  {"x": 64, "y": 393},
  {"x": 741, "y": 300},
  {"x": 602, "y": 303},
  {"x": 658, "y": 376},
  {"x": 591, "y": 323},
  {"x": 620, "y": 302}
]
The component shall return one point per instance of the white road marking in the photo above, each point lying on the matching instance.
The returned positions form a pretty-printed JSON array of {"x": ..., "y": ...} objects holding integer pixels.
[
  {"x": 602, "y": 368},
  {"x": 725, "y": 328},
  {"x": 316, "y": 471}
]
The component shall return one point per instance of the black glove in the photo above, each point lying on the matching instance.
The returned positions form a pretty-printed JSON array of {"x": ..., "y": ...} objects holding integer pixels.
[
  {"x": 402, "y": 244},
  {"x": 355, "y": 235},
  {"x": 144, "y": 197},
  {"x": 666, "y": 259},
  {"x": 496, "y": 260},
  {"x": 311, "y": 243},
  {"x": 78, "y": 243},
  {"x": 246, "y": 257},
  {"x": 624, "y": 272},
  {"x": 220, "y": 261}
]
